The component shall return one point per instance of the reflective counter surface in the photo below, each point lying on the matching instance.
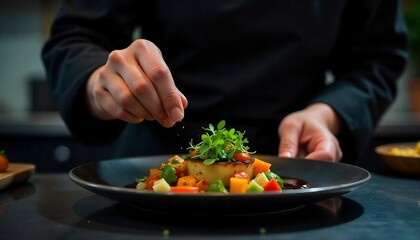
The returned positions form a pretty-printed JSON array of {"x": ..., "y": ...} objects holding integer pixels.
[{"x": 51, "y": 206}]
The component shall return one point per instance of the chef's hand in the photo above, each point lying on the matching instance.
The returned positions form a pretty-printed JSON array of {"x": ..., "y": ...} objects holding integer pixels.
[
  {"x": 135, "y": 85},
  {"x": 310, "y": 133}
]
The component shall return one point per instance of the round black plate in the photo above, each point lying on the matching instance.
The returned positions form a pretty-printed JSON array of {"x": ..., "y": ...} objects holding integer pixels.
[{"x": 110, "y": 178}]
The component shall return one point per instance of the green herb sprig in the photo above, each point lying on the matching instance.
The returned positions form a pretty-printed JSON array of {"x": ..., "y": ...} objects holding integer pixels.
[{"x": 219, "y": 144}]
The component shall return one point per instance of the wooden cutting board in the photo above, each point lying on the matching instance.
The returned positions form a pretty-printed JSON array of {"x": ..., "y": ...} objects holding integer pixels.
[{"x": 15, "y": 173}]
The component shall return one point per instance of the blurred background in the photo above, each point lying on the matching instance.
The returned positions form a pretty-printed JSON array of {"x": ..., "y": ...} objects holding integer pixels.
[
  {"x": 30, "y": 125},
  {"x": 23, "y": 29}
]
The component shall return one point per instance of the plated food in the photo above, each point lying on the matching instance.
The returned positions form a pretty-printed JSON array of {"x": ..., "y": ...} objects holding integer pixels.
[
  {"x": 220, "y": 162},
  {"x": 304, "y": 181},
  {"x": 114, "y": 179},
  {"x": 192, "y": 176}
]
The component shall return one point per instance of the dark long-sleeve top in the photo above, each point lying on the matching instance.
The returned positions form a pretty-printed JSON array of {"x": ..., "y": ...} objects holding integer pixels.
[{"x": 249, "y": 62}]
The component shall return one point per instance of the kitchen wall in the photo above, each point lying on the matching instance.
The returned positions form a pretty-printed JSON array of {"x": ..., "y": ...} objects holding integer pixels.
[
  {"x": 22, "y": 33},
  {"x": 23, "y": 30}
]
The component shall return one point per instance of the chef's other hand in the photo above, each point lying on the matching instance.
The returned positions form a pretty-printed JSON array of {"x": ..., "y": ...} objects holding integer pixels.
[
  {"x": 135, "y": 85},
  {"x": 310, "y": 133}
]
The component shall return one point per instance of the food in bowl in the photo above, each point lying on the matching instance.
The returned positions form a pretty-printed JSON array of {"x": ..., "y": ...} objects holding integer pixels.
[
  {"x": 406, "y": 151},
  {"x": 401, "y": 157}
]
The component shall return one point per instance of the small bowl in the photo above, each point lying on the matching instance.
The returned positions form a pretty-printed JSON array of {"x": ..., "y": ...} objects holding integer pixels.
[{"x": 402, "y": 164}]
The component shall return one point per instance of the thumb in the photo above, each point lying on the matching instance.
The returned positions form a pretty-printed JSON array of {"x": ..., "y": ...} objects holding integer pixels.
[{"x": 289, "y": 139}]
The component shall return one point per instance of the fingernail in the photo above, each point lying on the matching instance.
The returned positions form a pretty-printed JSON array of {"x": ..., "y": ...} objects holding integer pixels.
[
  {"x": 286, "y": 154},
  {"x": 177, "y": 114},
  {"x": 167, "y": 123}
]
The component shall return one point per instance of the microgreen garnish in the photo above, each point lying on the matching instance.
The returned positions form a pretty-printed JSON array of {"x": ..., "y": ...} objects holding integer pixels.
[{"x": 219, "y": 144}]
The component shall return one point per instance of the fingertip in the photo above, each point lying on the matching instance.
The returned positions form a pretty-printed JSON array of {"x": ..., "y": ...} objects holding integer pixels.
[
  {"x": 286, "y": 154},
  {"x": 176, "y": 114},
  {"x": 184, "y": 101},
  {"x": 167, "y": 123}
]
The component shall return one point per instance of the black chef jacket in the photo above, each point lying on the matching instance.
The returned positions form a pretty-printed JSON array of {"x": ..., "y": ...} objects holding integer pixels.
[{"x": 249, "y": 62}]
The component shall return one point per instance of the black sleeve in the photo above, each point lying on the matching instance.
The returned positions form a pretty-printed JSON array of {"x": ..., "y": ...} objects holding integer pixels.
[
  {"x": 82, "y": 35},
  {"x": 370, "y": 55}
]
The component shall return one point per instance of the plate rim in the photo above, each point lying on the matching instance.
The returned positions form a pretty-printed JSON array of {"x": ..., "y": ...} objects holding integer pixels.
[
  {"x": 222, "y": 204},
  {"x": 322, "y": 189}
]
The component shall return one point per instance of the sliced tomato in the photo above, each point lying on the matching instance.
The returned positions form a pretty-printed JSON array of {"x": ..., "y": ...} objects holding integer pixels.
[
  {"x": 272, "y": 186},
  {"x": 185, "y": 189},
  {"x": 241, "y": 156}
]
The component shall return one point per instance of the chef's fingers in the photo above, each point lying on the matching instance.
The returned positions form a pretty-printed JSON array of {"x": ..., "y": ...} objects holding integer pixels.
[
  {"x": 113, "y": 95},
  {"x": 172, "y": 101},
  {"x": 184, "y": 100},
  {"x": 144, "y": 90},
  {"x": 289, "y": 132},
  {"x": 140, "y": 94},
  {"x": 328, "y": 149},
  {"x": 108, "y": 104}
]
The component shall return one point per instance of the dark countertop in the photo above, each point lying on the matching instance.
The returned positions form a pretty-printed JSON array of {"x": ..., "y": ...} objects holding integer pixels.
[{"x": 51, "y": 206}]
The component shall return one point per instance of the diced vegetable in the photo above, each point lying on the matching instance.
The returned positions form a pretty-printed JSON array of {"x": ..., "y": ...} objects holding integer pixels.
[
  {"x": 217, "y": 186},
  {"x": 253, "y": 186},
  {"x": 178, "y": 163},
  {"x": 150, "y": 181},
  {"x": 238, "y": 185},
  {"x": 169, "y": 174},
  {"x": 271, "y": 175},
  {"x": 272, "y": 186},
  {"x": 261, "y": 166},
  {"x": 185, "y": 189},
  {"x": 202, "y": 185},
  {"x": 141, "y": 185},
  {"x": 161, "y": 186},
  {"x": 261, "y": 179},
  {"x": 155, "y": 172},
  {"x": 180, "y": 169},
  {"x": 186, "y": 181},
  {"x": 175, "y": 159}
]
